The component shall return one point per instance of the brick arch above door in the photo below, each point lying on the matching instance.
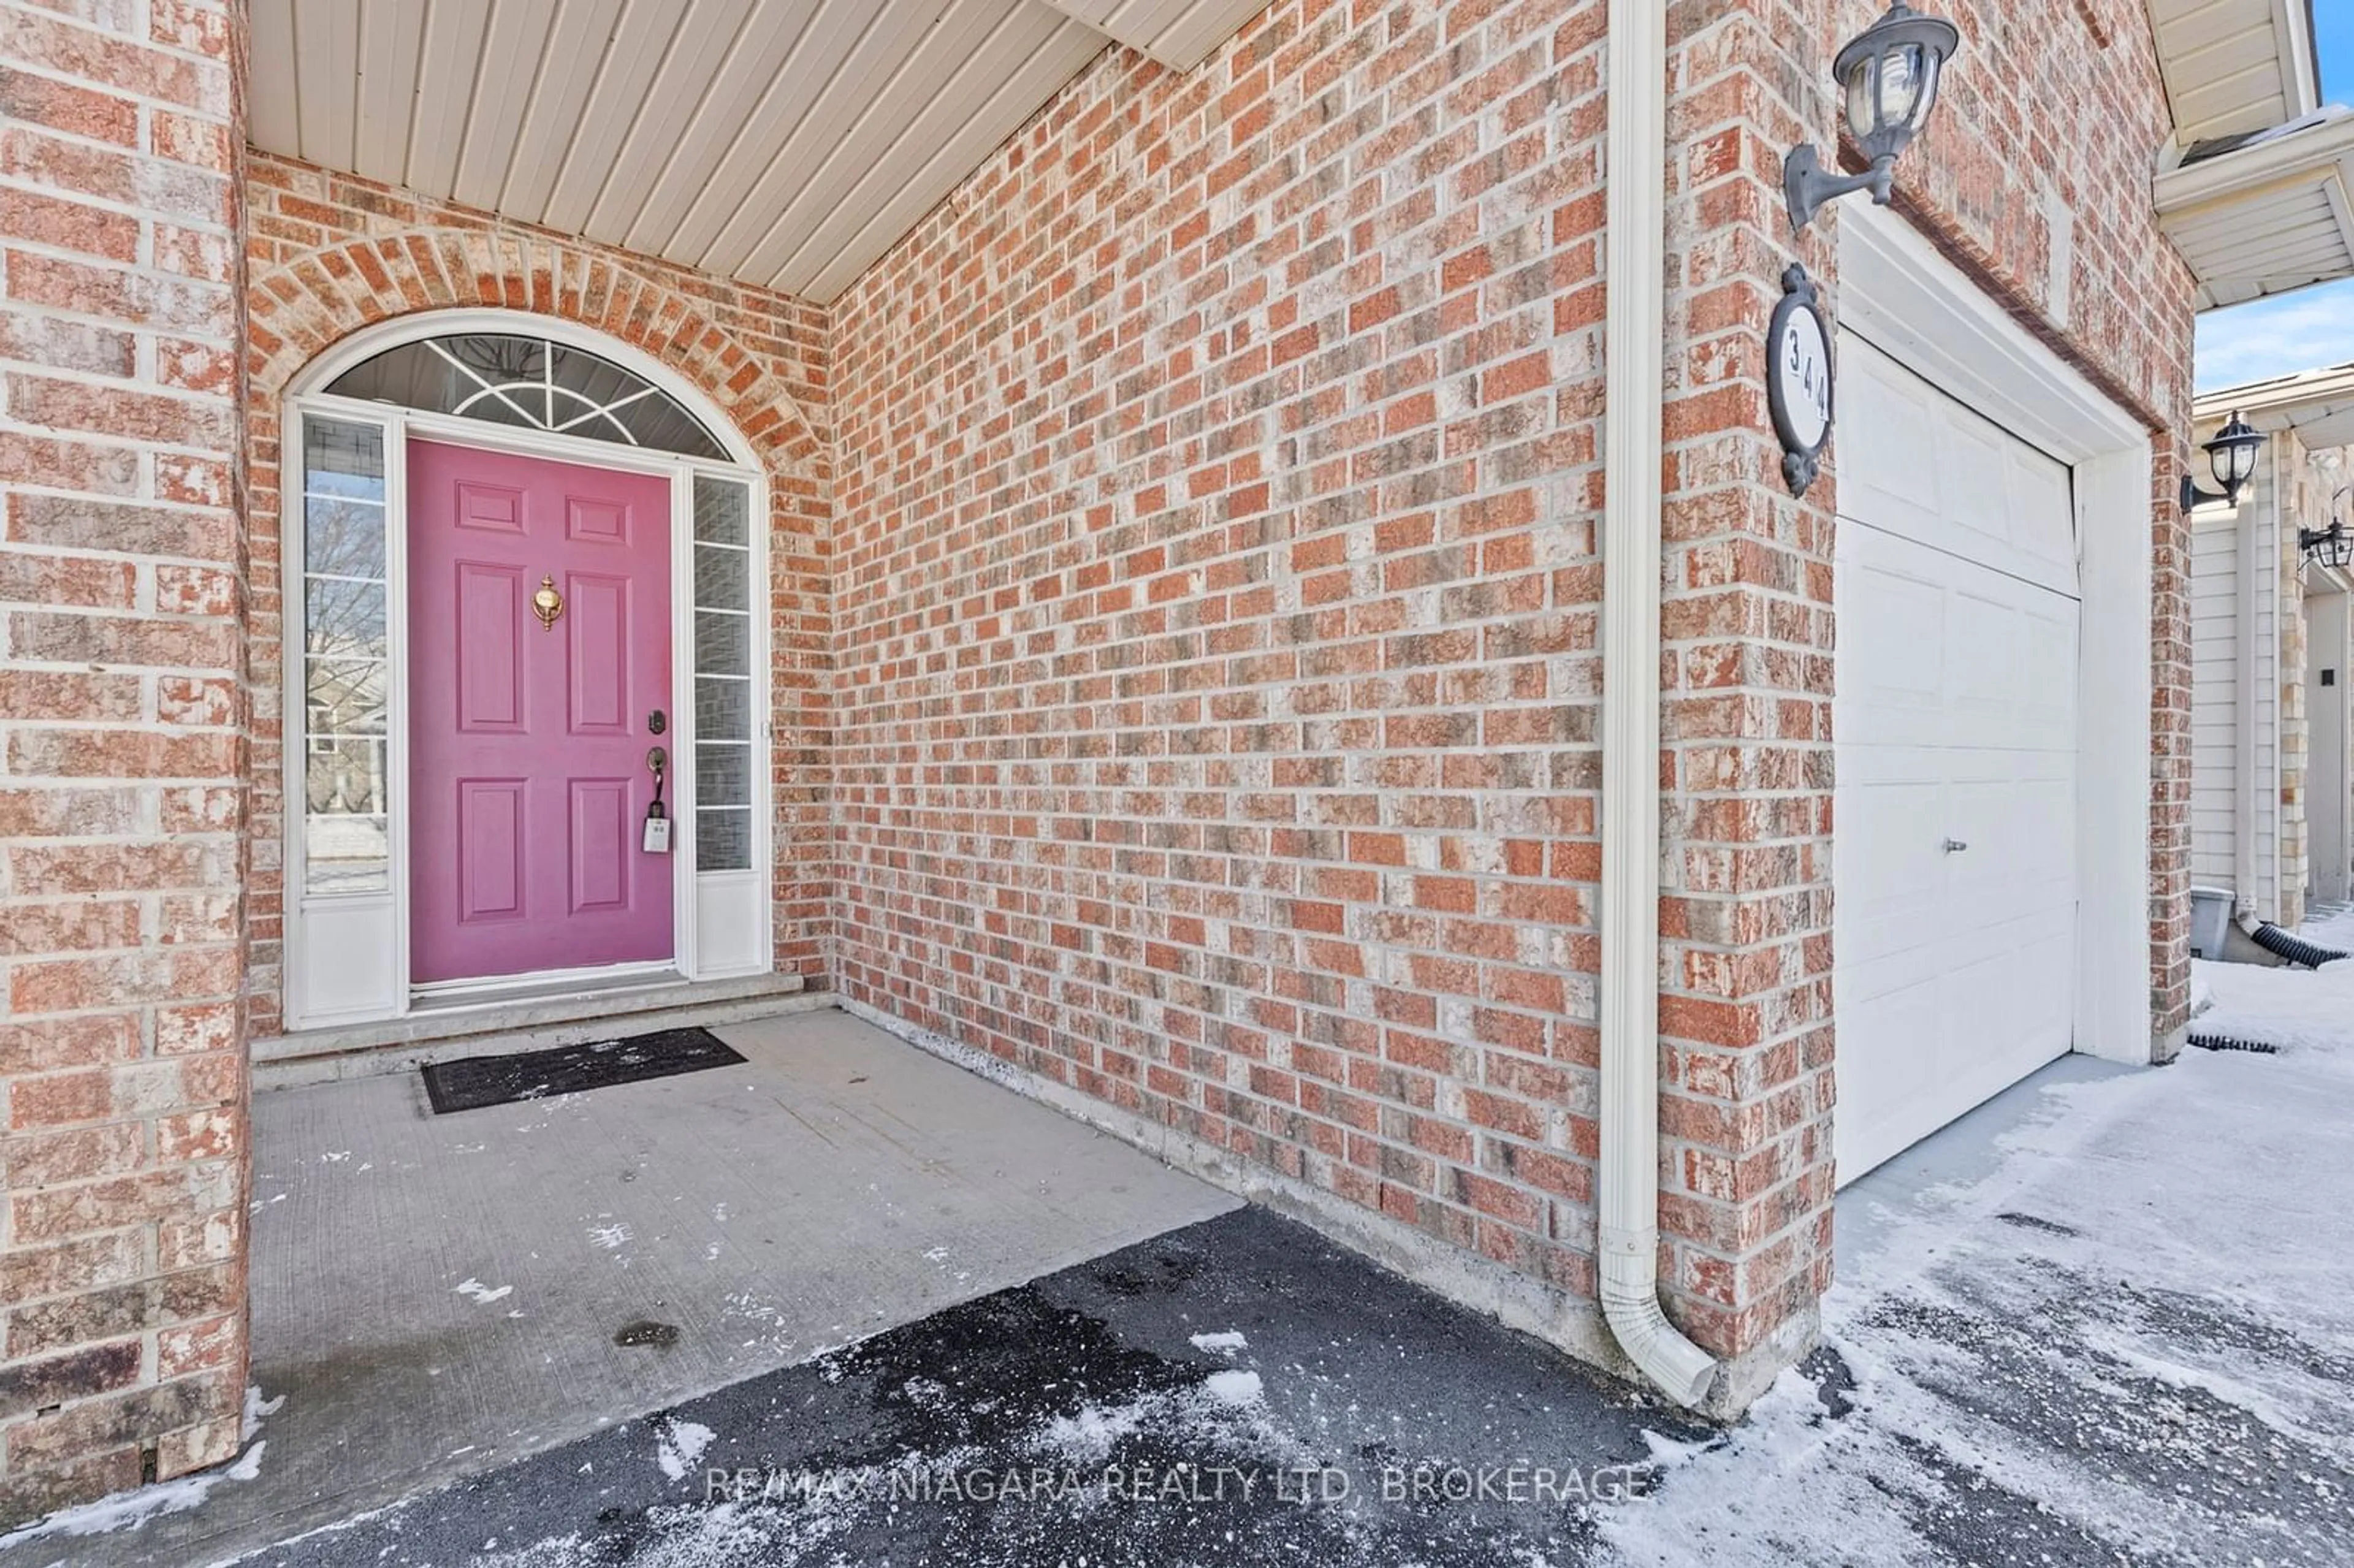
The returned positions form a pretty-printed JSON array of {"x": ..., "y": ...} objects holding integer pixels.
[
  {"x": 759, "y": 358},
  {"x": 301, "y": 307}
]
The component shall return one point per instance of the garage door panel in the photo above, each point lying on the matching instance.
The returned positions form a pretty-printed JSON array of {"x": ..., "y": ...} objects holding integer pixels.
[
  {"x": 2043, "y": 500},
  {"x": 1956, "y": 1039},
  {"x": 1973, "y": 518},
  {"x": 1900, "y": 698},
  {"x": 1899, "y": 910},
  {"x": 1919, "y": 465},
  {"x": 1883, "y": 1081},
  {"x": 2037, "y": 942},
  {"x": 1901, "y": 968},
  {"x": 1955, "y": 719},
  {"x": 2014, "y": 852}
]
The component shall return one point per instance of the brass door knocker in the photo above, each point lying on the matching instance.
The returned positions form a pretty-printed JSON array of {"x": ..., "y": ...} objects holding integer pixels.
[{"x": 548, "y": 604}]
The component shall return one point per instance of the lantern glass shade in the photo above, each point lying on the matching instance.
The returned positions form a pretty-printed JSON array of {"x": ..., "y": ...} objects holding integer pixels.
[
  {"x": 1863, "y": 101},
  {"x": 1889, "y": 73},
  {"x": 1891, "y": 92},
  {"x": 2232, "y": 455}
]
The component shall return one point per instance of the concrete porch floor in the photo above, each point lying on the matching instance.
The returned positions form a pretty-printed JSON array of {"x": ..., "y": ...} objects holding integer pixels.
[{"x": 434, "y": 1295}]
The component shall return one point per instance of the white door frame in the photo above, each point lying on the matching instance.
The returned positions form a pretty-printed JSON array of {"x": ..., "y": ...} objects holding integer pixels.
[
  {"x": 1909, "y": 302},
  {"x": 346, "y": 955}
]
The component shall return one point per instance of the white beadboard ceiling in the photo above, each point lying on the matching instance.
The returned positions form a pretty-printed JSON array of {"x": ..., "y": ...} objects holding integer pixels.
[
  {"x": 784, "y": 142},
  {"x": 2234, "y": 65}
]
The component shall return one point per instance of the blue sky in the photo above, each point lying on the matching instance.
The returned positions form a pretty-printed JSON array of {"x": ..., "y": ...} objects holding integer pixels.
[{"x": 2312, "y": 326}]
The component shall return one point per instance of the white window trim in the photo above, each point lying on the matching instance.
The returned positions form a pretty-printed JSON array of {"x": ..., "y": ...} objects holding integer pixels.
[{"x": 347, "y": 954}]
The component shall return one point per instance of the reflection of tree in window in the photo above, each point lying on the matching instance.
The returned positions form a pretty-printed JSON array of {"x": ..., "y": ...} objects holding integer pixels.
[{"x": 344, "y": 831}]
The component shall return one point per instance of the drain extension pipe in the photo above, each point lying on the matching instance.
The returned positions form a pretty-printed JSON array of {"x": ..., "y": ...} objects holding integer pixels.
[{"x": 1633, "y": 328}]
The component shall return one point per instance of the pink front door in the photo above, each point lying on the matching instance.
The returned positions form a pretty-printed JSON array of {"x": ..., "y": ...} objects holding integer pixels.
[{"x": 528, "y": 779}]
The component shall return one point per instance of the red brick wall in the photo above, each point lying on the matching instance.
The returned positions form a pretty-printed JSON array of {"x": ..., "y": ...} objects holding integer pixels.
[
  {"x": 1215, "y": 598},
  {"x": 122, "y": 717},
  {"x": 331, "y": 253},
  {"x": 1216, "y": 606}
]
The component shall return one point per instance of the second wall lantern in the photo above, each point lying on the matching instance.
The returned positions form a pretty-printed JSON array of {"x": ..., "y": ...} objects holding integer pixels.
[
  {"x": 1889, "y": 76},
  {"x": 2232, "y": 458}
]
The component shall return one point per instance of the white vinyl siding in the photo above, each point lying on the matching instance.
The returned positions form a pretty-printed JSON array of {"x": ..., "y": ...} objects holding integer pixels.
[{"x": 2218, "y": 686}]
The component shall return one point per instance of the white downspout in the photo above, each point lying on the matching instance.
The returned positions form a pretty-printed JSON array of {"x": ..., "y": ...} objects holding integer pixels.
[
  {"x": 1633, "y": 330},
  {"x": 2244, "y": 521}
]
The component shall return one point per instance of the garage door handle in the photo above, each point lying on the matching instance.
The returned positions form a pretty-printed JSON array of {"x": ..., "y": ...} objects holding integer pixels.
[{"x": 1955, "y": 846}]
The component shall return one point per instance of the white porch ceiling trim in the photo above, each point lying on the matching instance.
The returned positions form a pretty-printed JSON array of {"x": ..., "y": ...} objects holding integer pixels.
[
  {"x": 784, "y": 142},
  {"x": 2267, "y": 218},
  {"x": 2318, "y": 404}
]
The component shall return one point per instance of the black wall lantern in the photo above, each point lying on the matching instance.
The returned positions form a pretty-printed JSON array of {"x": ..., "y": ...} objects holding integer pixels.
[
  {"x": 1889, "y": 74},
  {"x": 2231, "y": 456},
  {"x": 2330, "y": 546}
]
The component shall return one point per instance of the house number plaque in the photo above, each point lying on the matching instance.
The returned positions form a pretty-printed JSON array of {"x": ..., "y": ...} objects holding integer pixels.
[{"x": 1798, "y": 379}]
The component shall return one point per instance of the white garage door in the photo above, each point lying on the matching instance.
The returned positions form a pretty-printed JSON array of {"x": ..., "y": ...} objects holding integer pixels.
[{"x": 1955, "y": 812}]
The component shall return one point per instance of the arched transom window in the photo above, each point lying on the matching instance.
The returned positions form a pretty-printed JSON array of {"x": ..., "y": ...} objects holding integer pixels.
[{"x": 532, "y": 383}]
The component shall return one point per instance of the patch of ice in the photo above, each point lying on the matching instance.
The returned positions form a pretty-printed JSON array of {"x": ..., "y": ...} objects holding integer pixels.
[
  {"x": 481, "y": 1295},
  {"x": 1228, "y": 1342},
  {"x": 1668, "y": 1452},
  {"x": 257, "y": 1410},
  {"x": 679, "y": 1445},
  {"x": 1235, "y": 1387},
  {"x": 1086, "y": 1437}
]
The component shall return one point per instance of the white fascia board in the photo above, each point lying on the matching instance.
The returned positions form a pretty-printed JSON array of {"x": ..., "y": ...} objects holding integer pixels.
[
  {"x": 2266, "y": 218},
  {"x": 2318, "y": 405}
]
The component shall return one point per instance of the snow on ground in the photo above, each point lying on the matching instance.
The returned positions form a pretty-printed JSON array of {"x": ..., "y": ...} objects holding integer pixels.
[
  {"x": 2282, "y": 1007},
  {"x": 134, "y": 1509},
  {"x": 678, "y": 1445},
  {"x": 2132, "y": 1339}
]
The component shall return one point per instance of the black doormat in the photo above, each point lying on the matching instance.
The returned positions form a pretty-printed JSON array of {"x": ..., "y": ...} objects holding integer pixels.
[{"x": 469, "y": 1083}]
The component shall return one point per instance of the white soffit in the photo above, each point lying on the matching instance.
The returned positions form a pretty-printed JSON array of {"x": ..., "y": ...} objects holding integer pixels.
[
  {"x": 2268, "y": 217},
  {"x": 785, "y": 143},
  {"x": 2234, "y": 65},
  {"x": 2318, "y": 404}
]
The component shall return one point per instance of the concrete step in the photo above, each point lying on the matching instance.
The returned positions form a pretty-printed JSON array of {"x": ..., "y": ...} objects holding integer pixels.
[{"x": 490, "y": 1027}]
